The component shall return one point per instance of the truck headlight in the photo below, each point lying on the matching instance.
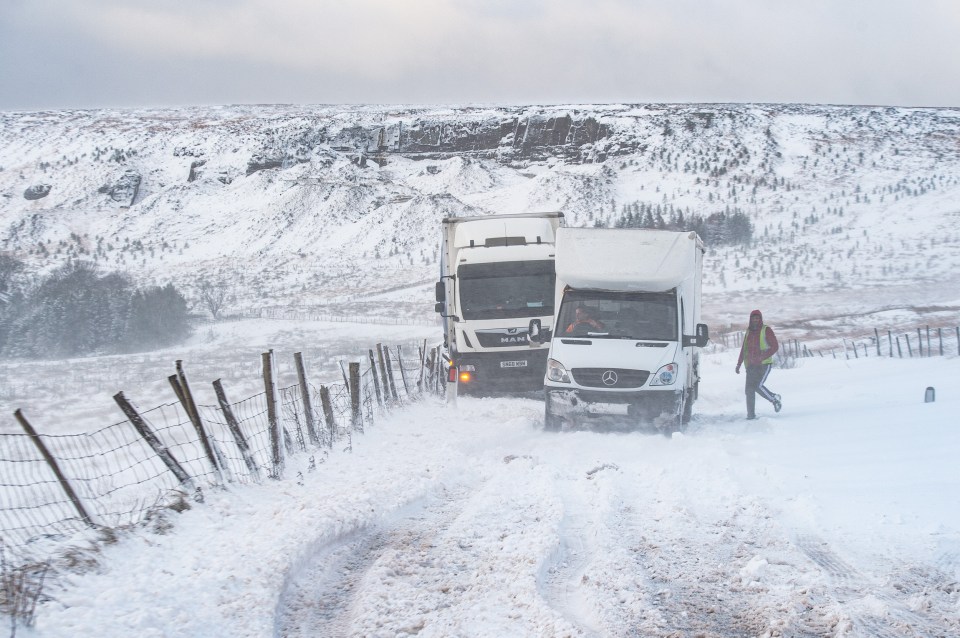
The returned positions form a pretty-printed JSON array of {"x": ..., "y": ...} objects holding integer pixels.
[
  {"x": 666, "y": 375},
  {"x": 556, "y": 372}
]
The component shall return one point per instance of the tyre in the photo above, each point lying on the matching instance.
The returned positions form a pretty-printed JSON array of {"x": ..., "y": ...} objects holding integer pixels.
[
  {"x": 687, "y": 412},
  {"x": 551, "y": 422}
]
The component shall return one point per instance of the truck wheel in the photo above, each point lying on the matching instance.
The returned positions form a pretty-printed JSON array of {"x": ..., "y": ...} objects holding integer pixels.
[
  {"x": 551, "y": 422},
  {"x": 687, "y": 413}
]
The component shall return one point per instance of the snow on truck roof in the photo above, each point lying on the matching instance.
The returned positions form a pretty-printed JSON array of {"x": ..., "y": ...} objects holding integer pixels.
[
  {"x": 503, "y": 229},
  {"x": 625, "y": 259}
]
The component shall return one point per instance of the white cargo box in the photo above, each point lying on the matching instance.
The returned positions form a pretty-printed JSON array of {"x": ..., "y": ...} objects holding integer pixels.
[{"x": 626, "y": 259}]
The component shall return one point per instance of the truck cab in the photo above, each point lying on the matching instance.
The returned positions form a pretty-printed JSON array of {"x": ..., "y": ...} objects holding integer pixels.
[
  {"x": 497, "y": 272},
  {"x": 625, "y": 347}
]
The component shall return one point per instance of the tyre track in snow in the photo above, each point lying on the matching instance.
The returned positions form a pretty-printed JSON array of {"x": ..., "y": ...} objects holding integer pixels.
[
  {"x": 437, "y": 568},
  {"x": 318, "y": 598},
  {"x": 910, "y": 600}
]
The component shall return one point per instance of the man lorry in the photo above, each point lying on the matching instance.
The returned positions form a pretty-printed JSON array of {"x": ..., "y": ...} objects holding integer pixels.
[
  {"x": 625, "y": 345},
  {"x": 496, "y": 273}
]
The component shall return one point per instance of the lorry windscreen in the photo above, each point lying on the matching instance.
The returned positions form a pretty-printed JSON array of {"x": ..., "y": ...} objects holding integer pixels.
[
  {"x": 506, "y": 290},
  {"x": 650, "y": 316}
]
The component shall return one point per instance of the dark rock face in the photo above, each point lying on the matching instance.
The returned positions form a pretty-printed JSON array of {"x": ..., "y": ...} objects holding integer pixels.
[
  {"x": 194, "y": 173},
  {"x": 261, "y": 163},
  {"x": 125, "y": 189},
  {"x": 531, "y": 137},
  {"x": 37, "y": 191}
]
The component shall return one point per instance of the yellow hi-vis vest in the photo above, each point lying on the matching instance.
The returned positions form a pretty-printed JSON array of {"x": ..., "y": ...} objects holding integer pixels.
[{"x": 763, "y": 345}]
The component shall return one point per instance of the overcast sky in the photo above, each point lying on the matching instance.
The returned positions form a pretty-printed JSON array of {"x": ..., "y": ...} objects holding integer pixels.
[{"x": 125, "y": 53}]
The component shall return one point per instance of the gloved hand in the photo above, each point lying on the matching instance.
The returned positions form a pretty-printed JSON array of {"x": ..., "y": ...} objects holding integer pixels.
[{"x": 738, "y": 369}]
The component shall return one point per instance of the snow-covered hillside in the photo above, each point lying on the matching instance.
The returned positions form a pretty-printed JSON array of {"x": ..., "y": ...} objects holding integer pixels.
[{"x": 855, "y": 209}]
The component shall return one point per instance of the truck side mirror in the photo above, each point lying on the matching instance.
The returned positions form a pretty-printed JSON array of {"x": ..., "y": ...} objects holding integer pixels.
[
  {"x": 703, "y": 335},
  {"x": 533, "y": 331},
  {"x": 438, "y": 308},
  {"x": 700, "y": 339},
  {"x": 536, "y": 333},
  {"x": 441, "y": 292}
]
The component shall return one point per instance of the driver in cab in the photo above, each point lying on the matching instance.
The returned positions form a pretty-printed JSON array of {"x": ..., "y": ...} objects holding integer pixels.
[{"x": 583, "y": 321}]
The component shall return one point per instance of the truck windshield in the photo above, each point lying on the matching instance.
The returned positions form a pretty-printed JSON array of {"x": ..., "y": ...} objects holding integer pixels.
[
  {"x": 619, "y": 315},
  {"x": 506, "y": 290}
]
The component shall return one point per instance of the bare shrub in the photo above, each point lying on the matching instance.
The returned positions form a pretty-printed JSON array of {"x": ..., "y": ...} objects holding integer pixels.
[{"x": 22, "y": 587}]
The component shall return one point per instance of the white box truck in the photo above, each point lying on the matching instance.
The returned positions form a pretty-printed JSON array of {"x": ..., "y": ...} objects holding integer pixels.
[
  {"x": 625, "y": 348},
  {"x": 496, "y": 273}
]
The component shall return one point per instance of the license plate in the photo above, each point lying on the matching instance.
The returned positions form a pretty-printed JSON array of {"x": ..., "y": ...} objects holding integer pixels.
[{"x": 513, "y": 364}]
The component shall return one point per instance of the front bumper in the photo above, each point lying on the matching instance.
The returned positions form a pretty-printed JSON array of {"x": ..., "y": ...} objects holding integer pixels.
[
  {"x": 514, "y": 371},
  {"x": 579, "y": 404}
]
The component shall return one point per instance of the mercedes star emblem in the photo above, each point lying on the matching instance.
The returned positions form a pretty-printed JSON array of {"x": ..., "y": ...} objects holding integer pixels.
[{"x": 609, "y": 378}]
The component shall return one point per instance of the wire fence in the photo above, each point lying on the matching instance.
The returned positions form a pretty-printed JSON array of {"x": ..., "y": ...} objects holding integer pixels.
[
  {"x": 893, "y": 343},
  {"x": 55, "y": 489}
]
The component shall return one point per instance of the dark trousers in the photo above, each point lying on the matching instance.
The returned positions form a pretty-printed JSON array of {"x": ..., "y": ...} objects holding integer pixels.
[{"x": 756, "y": 377}]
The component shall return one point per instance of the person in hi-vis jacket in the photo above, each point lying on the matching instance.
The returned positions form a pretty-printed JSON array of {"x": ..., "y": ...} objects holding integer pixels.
[{"x": 759, "y": 346}]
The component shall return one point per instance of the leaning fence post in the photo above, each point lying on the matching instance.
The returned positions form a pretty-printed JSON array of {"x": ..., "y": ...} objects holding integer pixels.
[
  {"x": 328, "y": 412},
  {"x": 305, "y": 395},
  {"x": 182, "y": 390},
  {"x": 393, "y": 384},
  {"x": 422, "y": 382},
  {"x": 355, "y": 421},
  {"x": 234, "y": 427},
  {"x": 958, "y": 341},
  {"x": 919, "y": 343},
  {"x": 376, "y": 381},
  {"x": 890, "y": 343},
  {"x": 383, "y": 375},
  {"x": 906, "y": 338},
  {"x": 899, "y": 349},
  {"x": 159, "y": 448},
  {"x": 876, "y": 334},
  {"x": 403, "y": 374},
  {"x": 276, "y": 448},
  {"x": 32, "y": 434}
]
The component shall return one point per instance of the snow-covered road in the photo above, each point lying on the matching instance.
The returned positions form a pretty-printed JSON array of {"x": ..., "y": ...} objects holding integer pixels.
[{"x": 838, "y": 517}]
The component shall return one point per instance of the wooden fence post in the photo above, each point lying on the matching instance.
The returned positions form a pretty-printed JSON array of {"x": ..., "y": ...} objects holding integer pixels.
[
  {"x": 906, "y": 338},
  {"x": 422, "y": 382},
  {"x": 393, "y": 384},
  {"x": 52, "y": 462},
  {"x": 876, "y": 333},
  {"x": 383, "y": 375},
  {"x": 403, "y": 374},
  {"x": 376, "y": 381},
  {"x": 159, "y": 448},
  {"x": 899, "y": 350},
  {"x": 929, "y": 349},
  {"x": 355, "y": 421},
  {"x": 234, "y": 427},
  {"x": 328, "y": 413},
  {"x": 940, "y": 338},
  {"x": 890, "y": 343},
  {"x": 276, "y": 448},
  {"x": 919, "y": 343},
  {"x": 305, "y": 395},
  {"x": 182, "y": 389}
]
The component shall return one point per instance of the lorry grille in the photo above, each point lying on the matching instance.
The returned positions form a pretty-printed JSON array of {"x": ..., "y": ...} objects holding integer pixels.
[
  {"x": 502, "y": 338},
  {"x": 625, "y": 378}
]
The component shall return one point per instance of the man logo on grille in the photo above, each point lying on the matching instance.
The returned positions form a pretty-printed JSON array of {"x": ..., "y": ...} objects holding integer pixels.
[{"x": 609, "y": 378}]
